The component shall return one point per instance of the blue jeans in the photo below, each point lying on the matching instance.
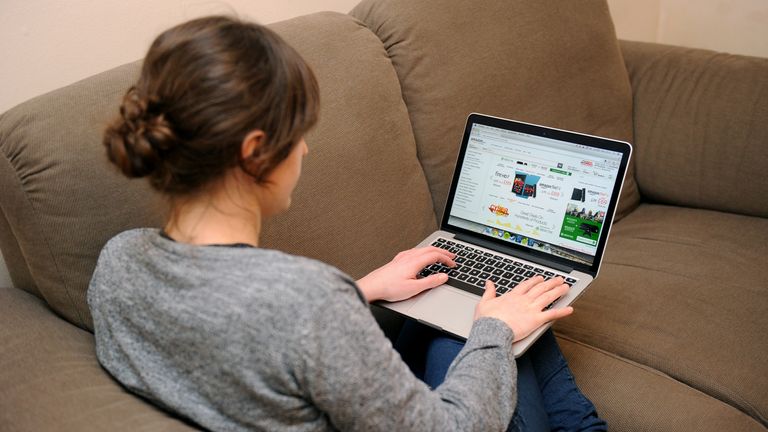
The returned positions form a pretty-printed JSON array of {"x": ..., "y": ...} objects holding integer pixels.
[{"x": 547, "y": 396}]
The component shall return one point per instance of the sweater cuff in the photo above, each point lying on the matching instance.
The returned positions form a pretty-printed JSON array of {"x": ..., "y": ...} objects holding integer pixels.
[{"x": 490, "y": 332}]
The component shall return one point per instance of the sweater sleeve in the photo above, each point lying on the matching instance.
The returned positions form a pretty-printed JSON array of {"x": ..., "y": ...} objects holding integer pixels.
[{"x": 350, "y": 371}]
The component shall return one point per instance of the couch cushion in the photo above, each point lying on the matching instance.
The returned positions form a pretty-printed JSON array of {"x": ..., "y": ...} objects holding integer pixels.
[
  {"x": 363, "y": 195},
  {"x": 633, "y": 397},
  {"x": 701, "y": 127},
  {"x": 51, "y": 379},
  {"x": 683, "y": 291},
  {"x": 549, "y": 62}
]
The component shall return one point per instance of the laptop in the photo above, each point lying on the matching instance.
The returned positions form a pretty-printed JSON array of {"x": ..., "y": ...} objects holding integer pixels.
[{"x": 525, "y": 200}]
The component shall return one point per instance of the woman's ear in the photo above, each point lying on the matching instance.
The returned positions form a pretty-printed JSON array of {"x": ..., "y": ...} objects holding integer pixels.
[{"x": 251, "y": 143}]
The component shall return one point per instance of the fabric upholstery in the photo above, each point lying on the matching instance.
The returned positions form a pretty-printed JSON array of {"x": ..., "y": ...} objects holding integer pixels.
[
  {"x": 513, "y": 59},
  {"x": 63, "y": 200},
  {"x": 633, "y": 397},
  {"x": 683, "y": 291},
  {"x": 51, "y": 366},
  {"x": 362, "y": 158},
  {"x": 701, "y": 127}
]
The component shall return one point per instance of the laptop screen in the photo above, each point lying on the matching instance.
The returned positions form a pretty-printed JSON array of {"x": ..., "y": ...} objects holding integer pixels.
[{"x": 534, "y": 191}]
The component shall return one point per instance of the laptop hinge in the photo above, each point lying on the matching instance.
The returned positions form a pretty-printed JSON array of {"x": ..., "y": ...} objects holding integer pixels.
[{"x": 514, "y": 252}]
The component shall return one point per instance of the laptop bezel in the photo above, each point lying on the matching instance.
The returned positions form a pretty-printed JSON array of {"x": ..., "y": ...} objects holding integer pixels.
[{"x": 510, "y": 248}]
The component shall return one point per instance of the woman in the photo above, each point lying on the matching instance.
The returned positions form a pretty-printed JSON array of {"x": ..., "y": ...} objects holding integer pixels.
[{"x": 200, "y": 320}]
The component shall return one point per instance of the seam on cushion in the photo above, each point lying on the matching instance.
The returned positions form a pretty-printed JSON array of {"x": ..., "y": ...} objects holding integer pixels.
[
  {"x": 661, "y": 374},
  {"x": 24, "y": 194}
]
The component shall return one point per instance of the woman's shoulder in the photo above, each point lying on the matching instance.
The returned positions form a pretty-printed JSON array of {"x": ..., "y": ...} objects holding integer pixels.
[{"x": 250, "y": 265}]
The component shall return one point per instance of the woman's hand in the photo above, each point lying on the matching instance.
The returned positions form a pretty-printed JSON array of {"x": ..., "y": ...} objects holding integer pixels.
[
  {"x": 396, "y": 280},
  {"x": 522, "y": 308}
]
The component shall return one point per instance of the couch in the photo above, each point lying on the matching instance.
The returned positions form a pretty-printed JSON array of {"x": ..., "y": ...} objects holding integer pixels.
[{"x": 670, "y": 336}]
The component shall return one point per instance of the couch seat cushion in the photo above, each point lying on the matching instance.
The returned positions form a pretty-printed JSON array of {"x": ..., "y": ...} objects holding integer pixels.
[
  {"x": 51, "y": 379},
  {"x": 683, "y": 291},
  {"x": 633, "y": 397}
]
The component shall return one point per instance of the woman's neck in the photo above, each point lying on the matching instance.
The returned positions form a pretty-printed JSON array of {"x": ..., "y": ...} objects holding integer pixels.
[{"x": 215, "y": 219}]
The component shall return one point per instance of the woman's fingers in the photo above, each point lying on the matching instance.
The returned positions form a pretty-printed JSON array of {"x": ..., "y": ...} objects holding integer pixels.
[
  {"x": 548, "y": 297},
  {"x": 490, "y": 290},
  {"x": 544, "y": 286},
  {"x": 431, "y": 281},
  {"x": 527, "y": 284},
  {"x": 556, "y": 313}
]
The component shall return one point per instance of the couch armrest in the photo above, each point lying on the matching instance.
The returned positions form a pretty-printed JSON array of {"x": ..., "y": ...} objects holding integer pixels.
[
  {"x": 51, "y": 380},
  {"x": 700, "y": 127}
]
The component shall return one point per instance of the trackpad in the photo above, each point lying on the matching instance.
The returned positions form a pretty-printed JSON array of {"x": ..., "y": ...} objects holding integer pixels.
[{"x": 446, "y": 307}]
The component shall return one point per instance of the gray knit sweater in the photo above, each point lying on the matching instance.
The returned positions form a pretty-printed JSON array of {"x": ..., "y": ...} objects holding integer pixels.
[{"x": 239, "y": 339}]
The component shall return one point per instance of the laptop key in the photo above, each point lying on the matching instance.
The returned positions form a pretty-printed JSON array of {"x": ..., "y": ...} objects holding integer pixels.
[
  {"x": 519, "y": 271},
  {"x": 494, "y": 278},
  {"x": 488, "y": 269},
  {"x": 464, "y": 269},
  {"x": 518, "y": 278},
  {"x": 504, "y": 282},
  {"x": 472, "y": 279},
  {"x": 466, "y": 286},
  {"x": 453, "y": 273},
  {"x": 529, "y": 274},
  {"x": 484, "y": 276},
  {"x": 498, "y": 272},
  {"x": 474, "y": 272},
  {"x": 462, "y": 276}
]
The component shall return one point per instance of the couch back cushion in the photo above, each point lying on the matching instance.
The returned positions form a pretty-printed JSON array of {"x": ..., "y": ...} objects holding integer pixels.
[
  {"x": 546, "y": 61},
  {"x": 362, "y": 197},
  {"x": 701, "y": 127}
]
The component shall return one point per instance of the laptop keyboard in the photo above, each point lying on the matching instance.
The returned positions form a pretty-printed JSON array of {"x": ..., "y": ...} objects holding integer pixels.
[{"x": 475, "y": 266}]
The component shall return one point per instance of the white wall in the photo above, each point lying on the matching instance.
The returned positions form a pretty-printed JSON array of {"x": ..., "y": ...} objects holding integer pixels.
[
  {"x": 735, "y": 26},
  {"x": 46, "y": 44}
]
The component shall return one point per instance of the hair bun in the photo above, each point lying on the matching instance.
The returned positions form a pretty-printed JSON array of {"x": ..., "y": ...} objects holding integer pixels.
[{"x": 139, "y": 139}]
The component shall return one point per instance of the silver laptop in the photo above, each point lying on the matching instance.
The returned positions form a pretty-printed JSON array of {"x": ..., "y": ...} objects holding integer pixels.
[{"x": 525, "y": 200}]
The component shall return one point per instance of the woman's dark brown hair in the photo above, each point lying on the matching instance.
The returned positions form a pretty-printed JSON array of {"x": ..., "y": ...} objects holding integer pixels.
[{"x": 204, "y": 86}]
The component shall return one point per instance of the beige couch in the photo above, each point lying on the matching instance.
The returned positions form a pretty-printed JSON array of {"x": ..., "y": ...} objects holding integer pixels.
[{"x": 671, "y": 335}]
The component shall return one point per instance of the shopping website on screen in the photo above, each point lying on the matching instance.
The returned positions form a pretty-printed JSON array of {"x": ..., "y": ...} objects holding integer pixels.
[{"x": 540, "y": 193}]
